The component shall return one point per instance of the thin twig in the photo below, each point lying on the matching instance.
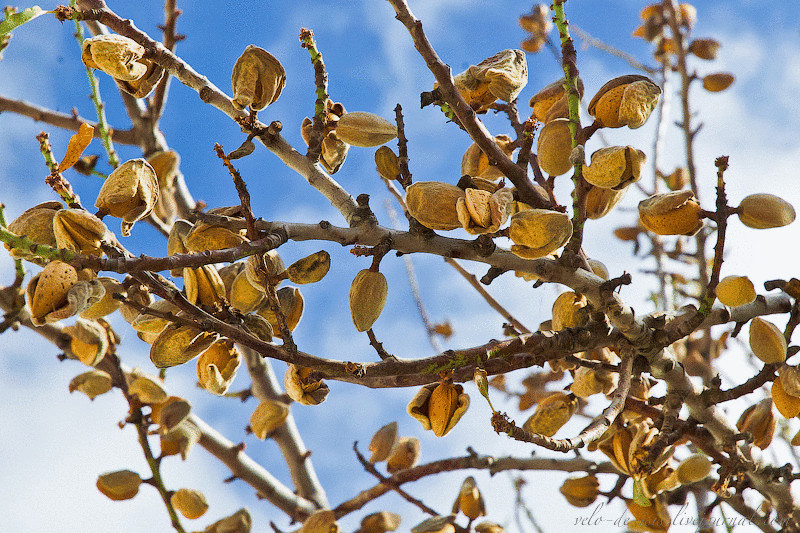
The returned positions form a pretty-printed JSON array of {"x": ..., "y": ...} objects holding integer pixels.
[{"x": 320, "y": 106}]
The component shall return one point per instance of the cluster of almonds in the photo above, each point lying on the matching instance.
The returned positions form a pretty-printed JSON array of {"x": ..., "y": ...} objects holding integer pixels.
[{"x": 655, "y": 30}]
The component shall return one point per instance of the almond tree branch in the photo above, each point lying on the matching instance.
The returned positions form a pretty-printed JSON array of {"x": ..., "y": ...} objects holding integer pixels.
[
  {"x": 211, "y": 94},
  {"x": 62, "y": 120},
  {"x": 266, "y": 387},
  {"x": 472, "y": 461},
  {"x": 466, "y": 115}
]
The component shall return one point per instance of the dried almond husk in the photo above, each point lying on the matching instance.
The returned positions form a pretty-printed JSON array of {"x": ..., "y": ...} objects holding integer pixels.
[
  {"x": 717, "y": 82},
  {"x": 588, "y": 381},
  {"x": 130, "y": 192},
  {"x": 600, "y": 201},
  {"x": 553, "y": 95},
  {"x": 258, "y": 268},
  {"x": 554, "y": 147},
  {"x": 764, "y": 211},
  {"x": 787, "y": 405},
  {"x": 268, "y": 416},
  {"x": 433, "y": 204},
  {"x": 570, "y": 310},
  {"x": 625, "y": 101},
  {"x": 359, "y": 128},
  {"x": 759, "y": 421},
  {"x": 790, "y": 379},
  {"x": 538, "y": 232},
  {"x": 217, "y": 366},
  {"x": 476, "y": 163},
  {"x": 80, "y": 231},
  {"x": 441, "y": 411},
  {"x": 469, "y": 500},
  {"x": 694, "y": 468},
  {"x": 387, "y": 163},
  {"x": 614, "y": 167},
  {"x": 291, "y": 305},
  {"x": 203, "y": 285},
  {"x": 92, "y": 383},
  {"x": 500, "y": 77},
  {"x": 176, "y": 242},
  {"x": 704, "y": 48},
  {"x": 767, "y": 341},
  {"x": 598, "y": 268},
  {"x": 323, "y": 521},
  {"x": 380, "y": 522},
  {"x": 367, "y": 298},
  {"x": 177, "y": 344},
  {"x": 180, "y": 439},
  {"x": 672, "y": 213},
  {"x": 653, "y": 518},
  {"x": 334, "y": 150},
  {"x": 309, "y": 269},
  {"x": 191, "y": 503},
  {"x": 404, "y": 455},
  {"x": 119, "y": 485},
  {"x": 436, "y": 524},
  {"x": 170, "y": 413},
  {"x": 243, "y": 295},
  {"x": 303, "y": 390},
  {"x": 165, "y": 164},
  {"x": 734, "y": 291},
  {"x": 138, "y": 294},
  {"x": 89, "y": 341},
  {"x": 204, "y": 237},
  {"x": 148, "y": 389},
  {"x": 257, "y": 79},
  {"x": 35, "y": 223},
  {"x": 258, "y": 326},
  {"x": 581, "y": 491},
  {"x": 238, "y": 522},
  {"x": 47, "y": 292},
  {"x": 551, "y": 413},
  {"x": 382, "y": 442},
  {"x": 482, "y": 212},
  {"x": 150, "y": 323},
  {"x": 117, "y": 56},
  {"x": 107, "y": 304},
  {"x": 489, "y": 527}
]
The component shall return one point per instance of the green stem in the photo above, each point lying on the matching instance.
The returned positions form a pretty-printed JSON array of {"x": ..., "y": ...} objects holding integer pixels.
[
  {"x": 102, "y": 124},
  {"x": 25, "y": 245},
  {"x": 569, "y": 65},
  {"x": 18, "y": 268},
  {"x": 321, "y": 105}
]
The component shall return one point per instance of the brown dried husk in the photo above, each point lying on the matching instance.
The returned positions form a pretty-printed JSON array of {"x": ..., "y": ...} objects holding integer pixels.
[
  {"x": 551, "y": 413},
  {"x": 433, "y": 204},
  {"x": 243, "y": 295},
  {"x": 359, "y": 128},
  {"x": 36, "y": 224},
  {"x": 765, "y": 211},
  {"x": 268, "y": 416},
  {"x": 291, "y": 303},
  {"x": 404, "y": 455},
  {"x": 554, "y": 147},
  {"x": 92, "y": 383},
  {"x": 301, "y": 389},
  {"x": 625, "y": 101},
  {"x": 191, "y": 503},
  {"x": 767, "y": 341},
  {"x": 238, "y": 522},
  {"x": 257, "y": 79},
  {"x": 614, "y": 167},
  {"x": 672, "y": 213},
  {"x": 310, "y": 269},
  {"x": 382, "y": 442},
  {"x": 538, "y": 232},
  {"x": 442, "y": 412},
  {"x": 80, "y": 231},
  {"x": 500, "y": 77},
  {"x": 177, "y": 344},
  {"x": 552, "y": 94},
  {"x": 119, "y": 485},
  {"x": 47, "y": 292},
  {"x": 367, "y": 297},
  {"x": 475, "y": 162},
  {"x": 217, "y": 366}
]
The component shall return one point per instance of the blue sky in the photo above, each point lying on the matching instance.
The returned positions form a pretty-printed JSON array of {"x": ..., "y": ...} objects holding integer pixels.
[{"x": 54, "y": 444}]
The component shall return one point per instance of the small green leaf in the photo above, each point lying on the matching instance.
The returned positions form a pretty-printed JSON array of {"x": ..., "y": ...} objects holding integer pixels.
[
  {"x": 18, "y": 19},
  {"x": 638, "y": 494}
]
